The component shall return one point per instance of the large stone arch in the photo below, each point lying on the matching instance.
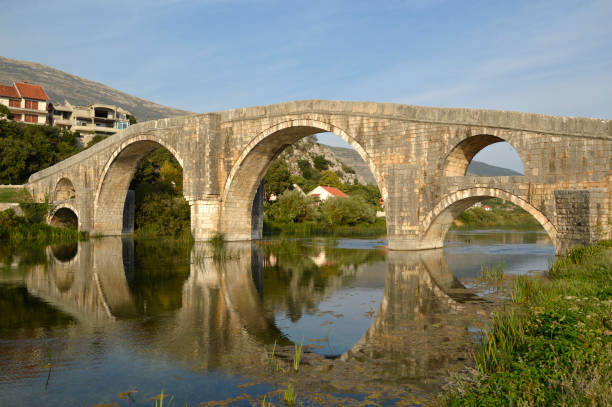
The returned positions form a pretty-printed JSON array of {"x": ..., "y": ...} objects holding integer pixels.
[
  {"x": 115, "y": 180},
  {"x": 439, "y": 220},
  {"x": 465, "y": 145},
  {"x": 244, "y": 178},
  {"x": 64, "y": 190}
]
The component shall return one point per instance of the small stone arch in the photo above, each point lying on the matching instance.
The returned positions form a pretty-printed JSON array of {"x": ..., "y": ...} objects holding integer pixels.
[
  {"x": 115, "y": 180},
  {"x": 65, "y": 216},
  {"x": 245, "y": 175},
  {"x": 456, "y": 162},
  {"x": 439, "y": 220},
  {"x": 64, "y": 190}
]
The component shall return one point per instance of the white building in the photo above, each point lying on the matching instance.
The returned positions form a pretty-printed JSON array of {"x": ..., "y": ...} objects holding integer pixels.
[
  {"x": 322, "y": 193},
  {"x": 96, "y": 118},
  {"x": 26, "y": 102}
]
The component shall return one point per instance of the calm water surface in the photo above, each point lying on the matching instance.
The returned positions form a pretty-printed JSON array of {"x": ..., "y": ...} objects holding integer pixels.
[{"x": 114, "y": 322}]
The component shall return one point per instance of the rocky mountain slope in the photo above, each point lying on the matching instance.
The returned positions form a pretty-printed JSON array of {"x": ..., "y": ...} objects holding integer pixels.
[
  {"x": 352, "y": 159},
  {"x": 62, "y": 86}
]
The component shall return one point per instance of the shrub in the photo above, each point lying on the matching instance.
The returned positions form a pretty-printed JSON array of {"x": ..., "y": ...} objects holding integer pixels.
[
  {"x": 292, "y": 207},
  {"x": 320, "y": 163},
  {"x": 347, "y": 211}
]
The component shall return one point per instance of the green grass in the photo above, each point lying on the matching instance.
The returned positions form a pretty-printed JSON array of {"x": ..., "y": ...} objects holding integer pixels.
[
  {"x": 14, "y": 195},
  {"x": 492, "y": 274},
  {"x": 17, "y": 229},
  {"x": 499, "y": 217},
  {"x": 308, "y": 229},
  {"x": 553, "y": 344}
]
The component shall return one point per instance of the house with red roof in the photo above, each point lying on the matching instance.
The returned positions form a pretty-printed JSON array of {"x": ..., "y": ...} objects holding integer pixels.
[
  {"x": 323, "y": 193},
  {"x": 26, "y": 102}
]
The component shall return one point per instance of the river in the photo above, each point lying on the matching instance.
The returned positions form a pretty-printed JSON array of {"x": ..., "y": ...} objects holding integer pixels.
[{"x": 114, "y": 321}]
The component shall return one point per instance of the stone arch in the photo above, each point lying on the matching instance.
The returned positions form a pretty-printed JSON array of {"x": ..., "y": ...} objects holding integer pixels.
[
  {"x": 439, "y": 220},
  {"x": 64, "y": 190},
  {"x": 115, "y": 180},
  {"x": 456, "y": 162},
  {"x": 64, "y": 215},
  {"x": 244, "y": 178}
]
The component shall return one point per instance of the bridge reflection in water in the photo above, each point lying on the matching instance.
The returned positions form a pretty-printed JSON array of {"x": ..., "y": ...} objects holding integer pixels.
[{"x": 218, "y": 310}]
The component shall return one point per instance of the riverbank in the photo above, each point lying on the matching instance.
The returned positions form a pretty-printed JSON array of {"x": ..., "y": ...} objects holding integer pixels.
[
  {"x": 552, "y": 345},
  {"x": 309, "y": 229},
  {"x": 18, "y": 229},
  {"x": 498, "y": 218}
]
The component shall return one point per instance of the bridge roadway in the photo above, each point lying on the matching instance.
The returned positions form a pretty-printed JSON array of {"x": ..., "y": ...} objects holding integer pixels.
[{"x": 418, "y": 155}]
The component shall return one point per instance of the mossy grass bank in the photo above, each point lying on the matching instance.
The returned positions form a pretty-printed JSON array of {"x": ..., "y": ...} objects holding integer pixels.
[
  {"x": 552, "y": 344},
  {"x": 309, "y": 229},
  {"x": 14, "y": 195}
]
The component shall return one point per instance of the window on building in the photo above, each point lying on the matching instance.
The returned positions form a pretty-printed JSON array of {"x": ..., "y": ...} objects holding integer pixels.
[
  {"x": 31, "y": 118},
  {"x": 31, "y": 104},
  {"x": 14, "y": 103}
]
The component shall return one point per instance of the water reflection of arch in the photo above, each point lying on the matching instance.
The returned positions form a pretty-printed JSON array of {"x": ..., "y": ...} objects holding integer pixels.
[
  {"x": 91, "y": 286},
  {"x": 220, "y": 314},
  {"x": 423, "y": 304}
]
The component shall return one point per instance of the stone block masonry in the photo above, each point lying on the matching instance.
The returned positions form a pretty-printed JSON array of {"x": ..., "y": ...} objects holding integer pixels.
[{"x": 418, "y": 156}]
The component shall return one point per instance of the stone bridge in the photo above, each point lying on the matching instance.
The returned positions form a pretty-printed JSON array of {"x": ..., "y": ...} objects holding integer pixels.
[{"x": 418, "y": 155}]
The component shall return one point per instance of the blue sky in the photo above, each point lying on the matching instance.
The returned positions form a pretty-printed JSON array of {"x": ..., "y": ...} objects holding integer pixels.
[{"x": 552, "y": 57}]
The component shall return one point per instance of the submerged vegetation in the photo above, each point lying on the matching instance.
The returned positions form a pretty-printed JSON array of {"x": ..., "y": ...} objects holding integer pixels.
[{"x": 553, "y": 344}]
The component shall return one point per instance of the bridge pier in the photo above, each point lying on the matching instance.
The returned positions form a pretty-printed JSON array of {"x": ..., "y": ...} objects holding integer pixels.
[{"x": 205, "y": 215}]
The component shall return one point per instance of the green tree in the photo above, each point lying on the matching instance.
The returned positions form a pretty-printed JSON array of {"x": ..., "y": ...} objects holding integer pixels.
[
  {"x": 330, "y": 179},
  {"x": 277, "y": 178},
  {"x": 305, "y": 168},
  {"x": 347, "y": 211},
  {"x": 132, "y": 119},
  {"x": 28, "y": 148},
  {"x": 320, "y": 163},
  {"x": 292, "y": 207},
  {"x": 5, "y": 113}
]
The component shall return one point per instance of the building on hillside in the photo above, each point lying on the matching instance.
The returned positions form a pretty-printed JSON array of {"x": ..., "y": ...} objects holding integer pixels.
[
  {"x": 322, "y": 193},
  {"x": 96, "y": 118},
  {"x": 26, "y": 102}
]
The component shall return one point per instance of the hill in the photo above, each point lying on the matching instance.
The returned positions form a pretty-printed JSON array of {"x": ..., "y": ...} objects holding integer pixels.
[
  {"x": 481, "y": 169},
  {"x": 62, "y": 86},
  {"x": 352, "y": 159}
]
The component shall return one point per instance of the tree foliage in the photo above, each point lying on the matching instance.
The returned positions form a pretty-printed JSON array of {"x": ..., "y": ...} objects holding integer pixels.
[
  {"x": 28, "y": 148},
  {"x": 5, "y": 113},
  {"x": 161, "y": 209},
  {"x": 347, "y": 211},
  {"x": 330, "y": 179},
  {"x": 292, "y": 207},
  {"x": 320, "y": 163},
  {"x": 277, "y": 178}
]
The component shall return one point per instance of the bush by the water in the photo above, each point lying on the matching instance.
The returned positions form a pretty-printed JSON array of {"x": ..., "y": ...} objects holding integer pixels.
[
  {"x": 553, "y": 347},
  {"x": 291, "y": 207},
  {"x": 347, "y": 211},
  {"x": 14, "y": 229}
]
